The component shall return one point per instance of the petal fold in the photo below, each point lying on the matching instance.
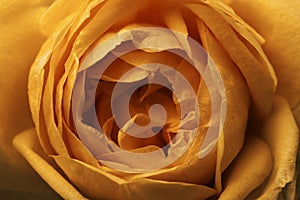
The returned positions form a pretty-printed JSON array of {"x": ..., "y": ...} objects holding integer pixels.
[
  {"x": 252, "y": 166},
  {"x": 27, "y": 144},
  {"x": 282, "y": 135}
]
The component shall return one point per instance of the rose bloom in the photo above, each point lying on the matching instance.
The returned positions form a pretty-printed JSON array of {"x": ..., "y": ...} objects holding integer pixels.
[{"x": 49, "y": 145}]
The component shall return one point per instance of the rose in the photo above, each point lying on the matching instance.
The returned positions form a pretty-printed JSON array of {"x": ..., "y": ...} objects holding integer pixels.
[
  {"x": 23, "y": 144},
  {"x": 19, "y": 147}
]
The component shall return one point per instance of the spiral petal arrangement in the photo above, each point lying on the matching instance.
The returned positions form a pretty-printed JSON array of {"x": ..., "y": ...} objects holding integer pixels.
[{"x": 147, "y": 99}]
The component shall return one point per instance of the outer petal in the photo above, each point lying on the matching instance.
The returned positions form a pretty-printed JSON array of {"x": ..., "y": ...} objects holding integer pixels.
[
  {"x": 51, "y": 17},
  {"x": 278, "y": 22},
  {"x": 92, "y": 182},
  {"x": 20, "y": 40},
  {"x": 145, "y": 189},
  {"x": 249, "y": 170},
  {"x": 254, "y": 71},
  {"x": 237, "y": 95},
  {"x": 281, "y": 133},
  {"x": 28, "y": 145}
]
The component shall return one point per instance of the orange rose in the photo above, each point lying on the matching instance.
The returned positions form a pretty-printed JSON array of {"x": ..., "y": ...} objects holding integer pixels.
[{"x": 148, "y": 99}]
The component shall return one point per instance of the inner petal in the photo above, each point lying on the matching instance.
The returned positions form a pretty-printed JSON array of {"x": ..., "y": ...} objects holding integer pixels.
[{"x": 143, "y": 98}]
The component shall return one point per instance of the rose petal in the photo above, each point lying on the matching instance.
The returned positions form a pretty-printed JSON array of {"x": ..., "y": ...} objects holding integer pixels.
[
  {"x": 128, "y": 142},
  {"x": 56, "y": 77},
  {"x": 278, "y": 22},
  {"x": 27, "y": 144},
  {"x": 252, "y": 166},
  {"x": 77, "y": 149},
  {"x": 35, "y": 85},
  {"x": 118, "y": 68},
  {"x": 104, "y": 19},
  {"x": 92, "y": 182},
  {"x": 174, "y": 20},
  {"x": 71, "y": 62},
  {"x": 296, "y": 113},
  {"x": 53, "y": 15},
  {"x": 237, "y": 95},
  {"x": 247, "y": 32},
  {"x": 282, "y": 135},
  {"x": 238, "y": 24},
  {"x": 138, "y": 58},
  {"x": 195, "y": 170},
  {"x": 253, "y": 70},
  {"x": 54, "y": 135},
  {"x": 146, "y": 189}
]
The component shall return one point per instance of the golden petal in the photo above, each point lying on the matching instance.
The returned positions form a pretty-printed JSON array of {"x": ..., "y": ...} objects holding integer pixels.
[
  {"x": 77, "y": 149},
  {"x": 71, "y": 25},
  {"x": 252, "y": 69},
  {"x": 92, "y": 182},
  {"x": 54, "y": 135},
  {"x": 128, "y": 142},
  {"x": 94, "y": 29},
  {"x": 104, "y": 19},
  {"x": 278, "y": 22},
  {"x": 237, "y": 96},
  {"x": 37, "y": 74},
  {"x": 282, "y": 135},
  {"x": 161, "y": 190},
  {"x": 54, "y": 15},
  {"x": 27, "y": 144},
  {"x": 252, "y": 166},
  {"x": 174, "y": 20}
]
